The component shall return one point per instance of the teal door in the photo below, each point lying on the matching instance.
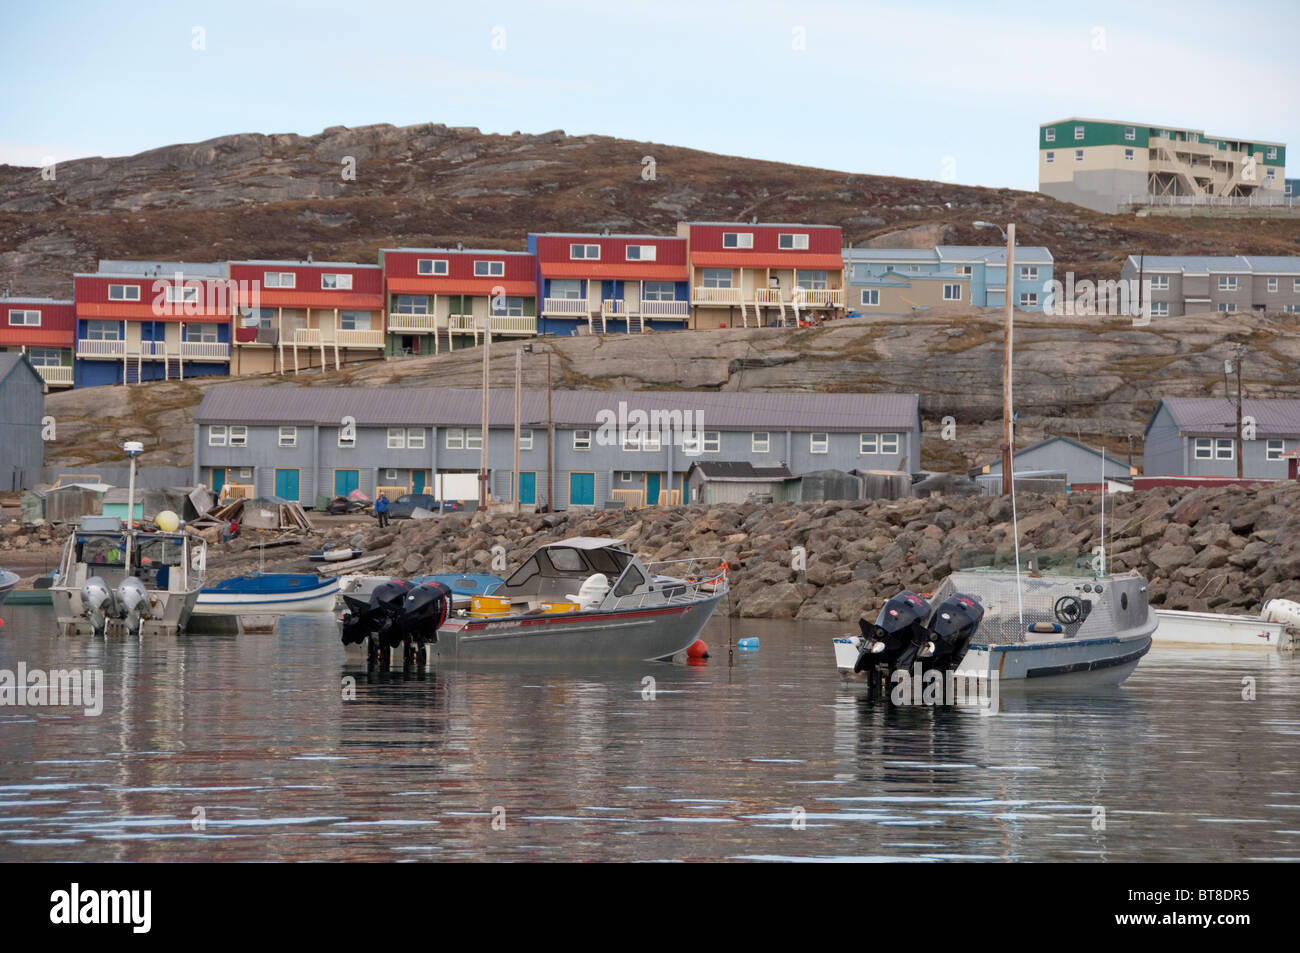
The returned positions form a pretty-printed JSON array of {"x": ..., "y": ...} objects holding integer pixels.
[
  {"x": 528, "y": 488},
  {"x": 417, "y": 481},
  {"x": 286, "y": 484},
  {"x": 582, "y": 489},
  {"x": 652, "y": 489},
  {"x": 218, "y": 479},
  {"x": 345, "y": 481}
]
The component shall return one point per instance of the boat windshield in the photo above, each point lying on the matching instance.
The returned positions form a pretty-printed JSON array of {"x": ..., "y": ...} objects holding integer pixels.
[
  {"x": 541, "y": 570},
  {"x": 101, "y": 549},
  {"x": 1057, "y": 562}
]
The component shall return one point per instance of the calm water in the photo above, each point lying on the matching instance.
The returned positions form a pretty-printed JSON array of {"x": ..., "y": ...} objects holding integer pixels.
[{"x": 254, "y": 731}]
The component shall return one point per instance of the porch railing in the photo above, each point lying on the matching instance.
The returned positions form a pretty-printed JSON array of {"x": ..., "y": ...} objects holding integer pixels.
[
  {"x": 666, "y": 309},
  {"x": 717, "y": 295},
  {"x": 412, "y": 323},
  {"x": 571, "y": 307},
  {"x": 55, "y": 374}
]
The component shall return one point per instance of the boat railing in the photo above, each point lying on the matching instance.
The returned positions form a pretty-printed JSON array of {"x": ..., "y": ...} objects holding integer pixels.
[
  {"x": 693, "y": 580},
  {"x": 1004, "y": 623}
]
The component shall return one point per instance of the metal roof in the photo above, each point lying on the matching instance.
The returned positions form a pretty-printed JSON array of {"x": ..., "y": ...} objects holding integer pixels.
[
  {"x": 1196, "y": 264},
  {"x": 739, "y": 471},
  {"x": 1025, "y": 254},
  {"x": 890, "y": 254},
  {"x": 36, "y": 301},
  {"x": 151, "y": 269},
  {"x": 1217, "y": 416},
  {"x": 457, "y": 407}
]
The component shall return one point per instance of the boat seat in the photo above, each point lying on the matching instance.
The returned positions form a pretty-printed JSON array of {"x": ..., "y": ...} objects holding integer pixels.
[{"x": 592, "y": 592}]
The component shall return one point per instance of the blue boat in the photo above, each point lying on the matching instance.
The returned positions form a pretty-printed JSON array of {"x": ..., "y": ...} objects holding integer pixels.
[
  {"x": 463, "y": 584},
  {"x": 270, "y": 592}
]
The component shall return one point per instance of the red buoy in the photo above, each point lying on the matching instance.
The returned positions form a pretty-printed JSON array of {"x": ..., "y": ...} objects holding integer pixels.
[{"x": 698, "y": 650}]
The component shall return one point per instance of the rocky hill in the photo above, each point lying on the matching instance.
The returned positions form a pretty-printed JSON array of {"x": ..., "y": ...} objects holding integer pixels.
[{"x": 284, "y": 196}]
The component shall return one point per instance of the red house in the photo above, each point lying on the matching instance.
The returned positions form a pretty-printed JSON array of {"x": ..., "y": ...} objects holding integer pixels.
[
  {"x": 43, "y": 329},
  {"x": 148, "y": 320},
  {"x": 303, "y": 314},
  {"x": 599, "y": 283},
  {"x": 772, "y": 274},
  {"x": 452, "y": 292}
]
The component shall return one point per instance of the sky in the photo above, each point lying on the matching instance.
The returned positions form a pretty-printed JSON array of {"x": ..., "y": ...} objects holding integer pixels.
[{"x": 947, "y": 91}]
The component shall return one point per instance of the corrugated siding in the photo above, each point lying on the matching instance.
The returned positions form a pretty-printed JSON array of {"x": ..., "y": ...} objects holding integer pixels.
[{"x": 822, "y": 239}]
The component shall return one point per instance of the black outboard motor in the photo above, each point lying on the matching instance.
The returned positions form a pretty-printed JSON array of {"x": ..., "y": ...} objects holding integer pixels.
[
  {"x": 424, "y": 609},
  {"x": 376, "y": 617},
  {"x": 900, "y": 623},
  {"x": 947, "y": 637}
]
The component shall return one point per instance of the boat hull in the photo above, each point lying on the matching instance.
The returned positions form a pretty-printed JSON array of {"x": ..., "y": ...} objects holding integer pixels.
[
  {"x": 623, "y": 635},
  {"x": 1195, "y": 629},
  {"x": 319, "y": 599},
  {"x": 170, "y": 613},
  {"x": 7, "y": 582}
]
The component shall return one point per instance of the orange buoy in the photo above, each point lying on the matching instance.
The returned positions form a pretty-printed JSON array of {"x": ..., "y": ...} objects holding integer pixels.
[{"x": 698, "y": 650}]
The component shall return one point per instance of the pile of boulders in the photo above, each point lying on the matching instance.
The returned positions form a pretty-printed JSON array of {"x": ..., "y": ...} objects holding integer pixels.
[{"x": 16, "y": 535}]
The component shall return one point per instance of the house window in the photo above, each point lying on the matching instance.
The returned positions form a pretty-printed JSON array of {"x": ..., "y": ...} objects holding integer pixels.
[
  {"x": 658, "y": 291},
  {"x": 1204, "y": 448},
  {"x": 624, "y": 476},
  {"x": 396, "y": 438},
  {"x": 431, "y": 266},
  {"x": 103, "y": 331},
  {"x": 200, "y": 333},
  {"x": 1050, "y": 135},
  {"x": 415, "y": 438},
  {"x": 796, "y": 242},
  {"x": 19, "y": 318},
  {"x": 265, "y": 317},
  {"x": 737, "y": 239},
  {"x": 1128, "y": 155},
  {"x": 1227, "y": 282},
  {"x": 584, "y": 252},
  {"x": 889, "y": 443},
  {"x": 952, "y": 292},
  {"x": 691, "y": 443},
  {"x": 330, "y": 282},
  {"x": 1275, "y": 449},
  {"x": 181, "y": 294},
  {"x": 1291, "y": 308},
  {"x": 964, "y": 269},
  {"x": 288, "y": 436},
  {"x": 1051, "y": 156},
  {"x": 489, "y": 269},
  {"x": 568, "y": 288},
  {"x": 1029, "y": 299},
  {"x": 390, "y": 475},
  {"x": 123, "y": 292},
  {"x": 455, "y": 439},
  {"x": 871, "y": 297},
  {"x": 346, "y": 442},
  {"x": 1272, "y": 152},
  {"x": 760, "y": 442},
  {"x": 717, "y": 277},
  {"x": 631, "y": 441},
  {"x": 814, "y": 280},
  {"x": 1159, "y": 309},
  {"x": 1224, "y": 448},
  {"x": 712, "y": 441},
  {"x": 1078, "y": 132},
  {"x": 1295, "y": 284},
  {"x": 354, "y": 320},
  {"x": 819, "y": 443},
  {"x": 868, "y": 443},
  {"x": 642, "y": 252},
  {"x": 582, "y": 440},
  {"x": 1159, "y": 282},
  {"x": 525, "y": 438},
  {"x": 1078, "y": 155},
  {"x": 279, "y": 279},
  {"x": 1129, "y": 133},
  {"x": 238, "y": 435},
  {"x": 412, "y": 304},
  {"x": 1029, "y": 274},
  {"x": 473, "y": 439},
  {"x": 1227, "y": 307},
  {"x": 650, "y": 441},
  {"x": 45, "y": 356},
  {"x": 217, "y": 435},
  {"x": 510, "y": 307}
]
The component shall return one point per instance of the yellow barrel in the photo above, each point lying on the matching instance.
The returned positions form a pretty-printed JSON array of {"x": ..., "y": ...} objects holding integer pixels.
[
  {"x": 489, "y": 606},
  {"x": 559, "y": 607}
]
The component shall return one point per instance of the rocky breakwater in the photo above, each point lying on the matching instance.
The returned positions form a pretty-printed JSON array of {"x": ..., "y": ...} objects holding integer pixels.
[{"x": 1211, "y": 549}]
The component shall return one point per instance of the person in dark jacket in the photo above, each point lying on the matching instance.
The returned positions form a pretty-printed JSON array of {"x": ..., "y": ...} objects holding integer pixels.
[{"x": 381, "y": 509}]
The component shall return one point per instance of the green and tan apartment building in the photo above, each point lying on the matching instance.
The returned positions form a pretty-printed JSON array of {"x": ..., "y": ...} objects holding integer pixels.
[{"x": 1110, "y": 166}]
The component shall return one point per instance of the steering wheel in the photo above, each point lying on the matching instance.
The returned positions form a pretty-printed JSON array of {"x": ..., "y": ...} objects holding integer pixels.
[{"x": 1068, "y": 610}]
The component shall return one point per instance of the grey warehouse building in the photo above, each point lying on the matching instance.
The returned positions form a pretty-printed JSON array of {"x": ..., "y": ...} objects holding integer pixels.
[
  {"x": 307, "y": 443},
  {"x": 22, "y": 406},
  {"x": 1197, "y": 436}
]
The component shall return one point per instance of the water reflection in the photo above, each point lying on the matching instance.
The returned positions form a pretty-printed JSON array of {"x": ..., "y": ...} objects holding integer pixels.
[{"x": 284, "y": 747}]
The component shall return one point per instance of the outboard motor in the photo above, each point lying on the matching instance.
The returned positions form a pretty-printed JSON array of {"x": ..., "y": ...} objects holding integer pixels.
[
  {"x": 423, "y": 610},
  {"x": 900, "y": 623},
  {"x": 947, "y": 637},
  {"x": 363, "y": 619},
  {"x": 97, "y": 603},
  {"x": 133, "y": 604}
]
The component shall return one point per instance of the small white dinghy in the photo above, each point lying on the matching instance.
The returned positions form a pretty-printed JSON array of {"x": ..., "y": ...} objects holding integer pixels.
[{"x": 1276, "y": 627}]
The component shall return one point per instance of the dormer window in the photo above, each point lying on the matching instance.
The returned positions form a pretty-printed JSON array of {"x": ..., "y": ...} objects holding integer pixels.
[
  {"x": 795, "y": 242},
  {"x": 489, "y": 269},
  {"x": 431, "y": 266},
  {"x": 642, "y": 252},
  {"x": 330, "y": 282},
  {"x": 123, "y": 292},
  {"x": 279, "y": 279},
  {"x": 584, "y": 252},
  {"x": 737, "y": 239}
]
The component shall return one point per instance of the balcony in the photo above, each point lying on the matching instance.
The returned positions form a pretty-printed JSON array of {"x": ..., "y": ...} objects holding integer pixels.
[
  {"x": 666, "y": 310},
  {"x": 412, "y": 323},
  {"x": 203, "y": 351},
  {"x": 101, "y": 349},
  {"x": 716, "y": 296},
  {"x": 55, "y": 375},
  {"x": 566, "y": 307},
  {"x": 819, "y": 298},
  {"x": 344, "y": 337},
  {"x": 615, "y": 308},
  {"x": 501, "y": 324},
  {"x": 307, "y": 337}
]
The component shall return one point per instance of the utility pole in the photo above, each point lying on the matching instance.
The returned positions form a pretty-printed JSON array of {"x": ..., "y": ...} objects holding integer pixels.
[
  {"x": 483, "y": 434},
  {"x": 550, "y": 440},
  {"x": 1008, "y": 446},
  {"x": 1241, "y": 353},
  {"x": 519, "y": 374}
]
